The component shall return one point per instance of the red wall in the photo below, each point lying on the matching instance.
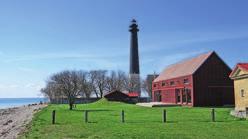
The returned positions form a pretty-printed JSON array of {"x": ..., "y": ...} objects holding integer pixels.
[
  {"x": 168, "y": 96},
  {"x": 168, "y": 91}
]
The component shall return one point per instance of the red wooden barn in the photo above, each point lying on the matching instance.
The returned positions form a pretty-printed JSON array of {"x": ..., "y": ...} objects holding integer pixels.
[{"x": 199, "y": 81}]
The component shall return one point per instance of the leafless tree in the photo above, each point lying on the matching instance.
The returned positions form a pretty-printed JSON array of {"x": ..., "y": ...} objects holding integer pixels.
[
  {"x": 146, "y": 84},
  {"x": 86, "y": 88},
  {"x": 98, "y": 80},
  {"x": 70, "y": 84},
  {"x": 117, "y": 81},
  {"x": 52, "y": 92}
]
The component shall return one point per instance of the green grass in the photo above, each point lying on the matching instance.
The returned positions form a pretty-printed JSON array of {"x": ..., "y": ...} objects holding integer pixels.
[{"x": 140, "y": 122}]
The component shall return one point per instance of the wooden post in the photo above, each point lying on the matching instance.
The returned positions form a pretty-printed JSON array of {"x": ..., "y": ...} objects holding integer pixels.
[
  {"x": 86, "y": 116},
  {"x": 53, "y": 117},
  {"x": 213, "y": 114},
  {"x": 122, "y": 116},
  {"x": 164, "y": 116}
]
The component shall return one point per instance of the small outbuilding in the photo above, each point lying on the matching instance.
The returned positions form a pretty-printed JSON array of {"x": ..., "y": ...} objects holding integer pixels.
[
  {"x": 117, "y": 95},
  {"x": 240, "y": 77}
]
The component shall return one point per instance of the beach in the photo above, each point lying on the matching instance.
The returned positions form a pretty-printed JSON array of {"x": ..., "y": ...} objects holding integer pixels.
[{"x": 13, "y": 121}]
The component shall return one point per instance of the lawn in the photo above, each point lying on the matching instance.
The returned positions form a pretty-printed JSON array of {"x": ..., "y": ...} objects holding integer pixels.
[{"x": 140, "y": 122}]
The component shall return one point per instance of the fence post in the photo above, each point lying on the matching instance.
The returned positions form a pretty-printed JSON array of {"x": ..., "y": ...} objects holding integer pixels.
[
  {"x": 53, "y": 117},
  {"x": 164, "y": 116},
  {"x": 122, "y": 116},
  {"x": 213, "y": 114},
  {"x": 86, "y": 116}
]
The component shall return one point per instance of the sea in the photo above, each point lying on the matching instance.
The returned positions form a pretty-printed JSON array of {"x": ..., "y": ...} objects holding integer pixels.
[{"x": 16, "y": 102}]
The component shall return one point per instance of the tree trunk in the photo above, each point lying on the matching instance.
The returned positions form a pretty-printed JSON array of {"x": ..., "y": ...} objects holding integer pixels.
[
  {"x": 101, "y": 92},
  {"x": 71, "y": 106},
  {"x": 71, "y": 103},
  {"x": 96, "y": 94}
]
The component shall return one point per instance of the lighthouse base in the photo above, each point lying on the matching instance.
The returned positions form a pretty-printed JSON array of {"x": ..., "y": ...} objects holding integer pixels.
[{"x": 134, "y": 83}]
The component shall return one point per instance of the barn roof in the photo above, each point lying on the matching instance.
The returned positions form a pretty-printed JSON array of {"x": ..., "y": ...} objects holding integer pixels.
[
  {"x": 115, "y": 91},
  {"x": 183, "y": 68}
]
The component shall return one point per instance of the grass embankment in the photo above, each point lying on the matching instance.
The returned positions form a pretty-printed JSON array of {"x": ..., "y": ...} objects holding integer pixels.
[{"x": 140, "y": 122}]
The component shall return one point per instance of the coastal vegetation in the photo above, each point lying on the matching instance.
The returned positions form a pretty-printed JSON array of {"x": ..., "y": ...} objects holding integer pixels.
[{"x": 104, "y": 121}]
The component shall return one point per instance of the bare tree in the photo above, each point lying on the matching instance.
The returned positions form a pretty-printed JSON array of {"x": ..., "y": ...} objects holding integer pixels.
[
  {"x": 146, "y": 84},
  {"x": 69, "y": 83},
  {"x": 52, "y": 92},
  {"x": 98, "y": 80},
  {"x": 92, "y": 80},
  {"x": 86, "y": 85},
  {"x": 117, "y": 81}
]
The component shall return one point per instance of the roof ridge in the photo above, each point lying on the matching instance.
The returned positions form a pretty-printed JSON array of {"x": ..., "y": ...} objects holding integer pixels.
[
  {"x": 190, "y": 58},
  {"x": 242, "y": 63}
]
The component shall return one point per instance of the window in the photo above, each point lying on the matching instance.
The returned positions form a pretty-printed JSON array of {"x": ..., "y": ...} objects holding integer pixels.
[
  {"x": 184, "y": 97},
  {"x": 178, "y": 95},
  {"x": 163, "y": 83},
  {"x": 188, "y": 91},
  {"x": 242, "y": 92},
  {"x": 186, "y": 81},
  {"x": 154, "y": 85},
  {"x": 172, "y": 83},
  {"x": 158, "y": 96}
]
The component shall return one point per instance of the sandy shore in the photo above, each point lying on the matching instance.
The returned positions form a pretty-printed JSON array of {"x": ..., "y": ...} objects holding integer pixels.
[{"x": 13, "y": 120}]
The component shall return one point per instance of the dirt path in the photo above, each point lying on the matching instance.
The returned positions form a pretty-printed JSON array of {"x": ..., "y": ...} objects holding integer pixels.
[{"x": 13, "y": 120}]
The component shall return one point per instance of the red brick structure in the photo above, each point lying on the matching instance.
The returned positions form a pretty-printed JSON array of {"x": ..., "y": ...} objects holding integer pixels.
[{"x": 199, "y": 81}]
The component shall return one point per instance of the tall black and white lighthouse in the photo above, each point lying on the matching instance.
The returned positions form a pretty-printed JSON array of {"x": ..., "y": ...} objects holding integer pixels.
[{"x": 134, "y": 71}]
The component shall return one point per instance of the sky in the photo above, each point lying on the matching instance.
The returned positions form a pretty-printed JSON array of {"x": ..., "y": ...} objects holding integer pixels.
[{"x": 42, "y": 37}]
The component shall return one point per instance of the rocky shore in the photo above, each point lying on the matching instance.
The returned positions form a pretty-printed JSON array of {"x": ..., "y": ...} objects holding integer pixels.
[{"x": 13, "y": 120}]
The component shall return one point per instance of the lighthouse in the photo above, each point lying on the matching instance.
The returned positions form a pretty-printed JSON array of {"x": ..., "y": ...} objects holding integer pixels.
[{"x": 134, "y": 71}]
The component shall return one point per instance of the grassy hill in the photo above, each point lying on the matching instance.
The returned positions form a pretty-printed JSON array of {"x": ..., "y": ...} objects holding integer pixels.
[{"x": 140, "y": 122}]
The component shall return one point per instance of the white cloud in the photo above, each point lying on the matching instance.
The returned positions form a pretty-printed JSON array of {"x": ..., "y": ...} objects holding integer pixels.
[{"x": 20, "y": 90}]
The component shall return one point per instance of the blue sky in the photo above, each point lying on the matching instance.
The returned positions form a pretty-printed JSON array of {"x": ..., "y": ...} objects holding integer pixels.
[{"x": 38, "y": 38}]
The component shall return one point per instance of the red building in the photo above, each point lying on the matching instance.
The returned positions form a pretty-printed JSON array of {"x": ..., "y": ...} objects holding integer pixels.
[{"x": 199, "y": 81}]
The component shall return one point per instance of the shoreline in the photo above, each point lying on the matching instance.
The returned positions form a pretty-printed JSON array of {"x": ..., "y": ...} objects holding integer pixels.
[{"x": 13, "y": 120}]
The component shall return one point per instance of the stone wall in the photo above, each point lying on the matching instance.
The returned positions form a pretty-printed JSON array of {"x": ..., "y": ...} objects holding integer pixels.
[{"x": 239, "y": 114}]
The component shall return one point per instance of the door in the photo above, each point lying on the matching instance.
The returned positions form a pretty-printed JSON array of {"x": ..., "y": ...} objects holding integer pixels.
[
  {"x": 158, "y": 97},
  {"x": 178, "y": 96}
]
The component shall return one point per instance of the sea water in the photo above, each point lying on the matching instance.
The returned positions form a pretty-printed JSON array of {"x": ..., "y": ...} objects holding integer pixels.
[{"x": 15, "y": 102}]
